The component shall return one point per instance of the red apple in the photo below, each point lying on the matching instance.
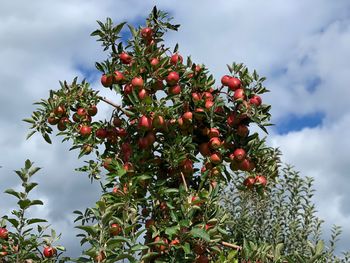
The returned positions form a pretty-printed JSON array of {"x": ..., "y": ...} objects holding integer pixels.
[
  {"x": 81, "y": 112},
  {"x": 128, "y": 89},
  {"x": 147, "y": 33},
  {"x": 154, "y": 62},
  {"x": 202, "y": 259},
  {"x": 225, "y": 80},
  {"x": 187, "y": 166},
  {"x": 187, "y": 116},
  {"x": 234, "y": 84},
  {"x": 196, "y": 96},
  {"x": 115, "y": 229},
  {"x": 204, "y": 149},
  {"x": 60, "y": 111},
  {"x": 149, "y": 223},
  {"x": 239, "y": 154},
  {"x": 85, "y": 130},
  {"x": 92, "y": 110},
  {"x": 249, "y": 182},
  {"x": 176, "y": 58},
  {"x": 118, "y": 77},
  {"x": 158, "y": 122},
  {"x": 239, "y": 94},
  {"x": 161, "y": 247},
  {"x": 3, "y": 233},
  {"x": 213, "y": 132},
  {"x": 260, "y": 180},
  {"x": 106, "y": 80},
  {"x": 215, "y": 143},
  {"x": 143, "y": 93},
  {"x": 175, "y": 242},
  {"x": 101, "y": 133},
  {"x": 215, "y": 158},
  {"x": 49, "y": 252},
  {"x": 52, "y": 120},
  {"x": 145, "y": 123},
  {"x": 172, "y": 78},
  {"x": 62, "y": 124},
  {"x": 175, "y": 90},
  {"x": 137, "y": 82},
  {"x": 125, "y": 58},
  {"x": 208, "y": 104},
  {"x": 255, "y": 100}
]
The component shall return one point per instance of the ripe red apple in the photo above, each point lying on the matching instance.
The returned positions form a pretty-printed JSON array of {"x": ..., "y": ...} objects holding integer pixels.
[
  {"x": 239, "y": 94},
  {"x": 106, "y": 80},
  {"x": 115, "y": 229},
  {"x": 172, "y": 78},
  {"x": 62, "y": 124},
  {"x": 137, "y": 82},
  {"x": 60, "y": 111},
  {"x": 175, "y": 90},
  {"x": 239, "y": 154},
  {"x": 242, "y": 130},
  {"x": 92, "y": 110},
  {"x": 207, "y": 95},
  {"x": 260, "y": 180},
  {"x": 215, "y": 158},
  {"x": 81, "y": 112},
  {"x": 187, "y": 116},
  {"x": 232, "y": 119},
  {"x": 3, "y": 233},
  {"x": 145, "y": 123},
  {"x": 117, "y": 122},
  {"x": 49, "y": 252},
  {"x": 255, "y": 100},
  {"x": 175, "y": 242},
  {"x": 196, "y": 96},
  {"x": 158, "y": 122},
  {"x": 225, "y": 80},
  {"x": 213, "y": 132},
  {"x": 52, "y": 120},
  {"x": 85, "y": 130},
  {"x": 107, "y": 163},
  {"x": 121, "y": 132},
  {"x": 249, "y": 182},
  {"x": 176, "y": 58},
  {"x": 215, "y": 143},
  {"x": 128, "y": 89},
  {"x": 245, "y": 165},
  {"x": 118, "y": 77},
  {"x": 163, "y": 240},
  {"x": 147, "y": 33},
  {"x": 151, "y": 138},
  {"x": 125, "y": 58},
  {"x": 101, "y": 133},
  {"x": 208, "y": 104},
  {"x": 234, "y": 84},
  {"x": 154, "y": 62},
  {"x": 143, "y": 93}
]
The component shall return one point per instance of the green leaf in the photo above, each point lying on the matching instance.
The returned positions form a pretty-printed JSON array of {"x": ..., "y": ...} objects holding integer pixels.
[
  {"x": 29, "y": 121},
  {"x": 13, "y": 221},
  {"x": 91, "y": 230},
  {"x": 138, "y": 247},
  {"x": 24, "y": 204},
  {"x": 13, "y": 192},
  {"x": 200, "y": 233},
  {"x": 47, "y": 138},
  {"x": 36, "y": 202},
  {"x": 35, "y": 220},
  {"x": 30, "y": 186}
]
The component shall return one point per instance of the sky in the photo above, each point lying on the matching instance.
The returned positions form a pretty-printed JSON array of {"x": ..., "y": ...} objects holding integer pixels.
[{"x": 301, "y": 46}]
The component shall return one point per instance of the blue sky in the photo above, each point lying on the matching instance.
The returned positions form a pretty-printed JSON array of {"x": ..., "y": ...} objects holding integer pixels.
[{"x": 303, "y": 51}]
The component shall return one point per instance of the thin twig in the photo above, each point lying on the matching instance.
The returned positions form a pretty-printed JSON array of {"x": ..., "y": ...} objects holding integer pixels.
[
  {"x": 184, "y": 181},
  {"x": 231, "y": 245},
  {"x": 110, "y": 102}
]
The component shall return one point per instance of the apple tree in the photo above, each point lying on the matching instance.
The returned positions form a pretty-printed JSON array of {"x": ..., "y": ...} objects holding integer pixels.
[{"x": 169, "y": 148}]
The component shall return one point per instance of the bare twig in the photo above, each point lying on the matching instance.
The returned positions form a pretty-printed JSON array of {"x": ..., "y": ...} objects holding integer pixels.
[
  {"x": 226, "y": 244},
  {"x": 110, "y": 102},
  {"x": 184, "y": 181}
]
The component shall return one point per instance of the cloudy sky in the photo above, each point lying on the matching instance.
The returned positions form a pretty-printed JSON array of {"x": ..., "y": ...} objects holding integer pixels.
[{"x": 301, "y": 46}]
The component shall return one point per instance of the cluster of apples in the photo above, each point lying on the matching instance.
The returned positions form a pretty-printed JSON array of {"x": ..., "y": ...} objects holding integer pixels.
[
  {"x": 48, "y": 251},
  {"x": 82, "y": 116}
]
